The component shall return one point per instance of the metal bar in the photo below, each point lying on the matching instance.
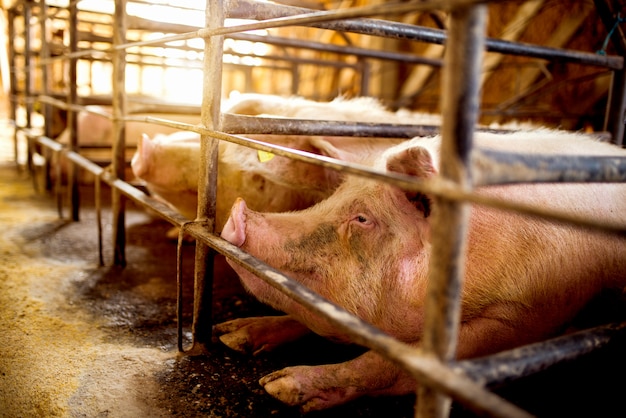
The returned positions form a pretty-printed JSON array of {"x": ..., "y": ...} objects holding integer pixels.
[
  {"x": 207, "y": 180},
  {"x": 504, "y": 367},
  {"x": 616, "y": 104},
  {"x": 338, "y": 49},
  {"x": 494, "y": 167},
  {"x": 12, "y": 15},
  {"x": 277, "y": 126},
  {"x": 615, "y": 116},
  {"x": 442, "y": 307},
  {"x": 72, "y": 116},
  {"x": 119, "y": 133},
  {"x": 47, "y": 111},
  {"x": 27, "y": 5}
]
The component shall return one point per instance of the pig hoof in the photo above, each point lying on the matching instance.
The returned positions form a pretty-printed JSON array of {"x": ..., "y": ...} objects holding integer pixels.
[
  {"x": 303, "y": 386},
  {"x": 284, "y": 387},
  {"x": 259, "y": 334}
]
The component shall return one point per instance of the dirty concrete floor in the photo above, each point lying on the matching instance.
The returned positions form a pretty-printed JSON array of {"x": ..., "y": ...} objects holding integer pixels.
[{"x": 83, "y": 340}]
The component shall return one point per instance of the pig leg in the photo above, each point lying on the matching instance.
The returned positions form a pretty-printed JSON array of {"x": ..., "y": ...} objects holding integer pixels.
[
  {"x": 319, "y": 387},
  {"x": 258, "y": 334}
]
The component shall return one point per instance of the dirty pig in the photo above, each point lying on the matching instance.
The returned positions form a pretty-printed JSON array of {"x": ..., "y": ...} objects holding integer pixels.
[{"x": 367, "y": 249}]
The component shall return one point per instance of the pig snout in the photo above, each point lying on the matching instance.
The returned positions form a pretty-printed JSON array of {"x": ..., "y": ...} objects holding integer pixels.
[
  {"x": 140, "y": 161},
  {"x": 235, "y": 229}
]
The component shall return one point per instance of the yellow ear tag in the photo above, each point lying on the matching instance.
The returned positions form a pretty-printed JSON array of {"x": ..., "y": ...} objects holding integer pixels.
[{"x": 264, "y": 156}]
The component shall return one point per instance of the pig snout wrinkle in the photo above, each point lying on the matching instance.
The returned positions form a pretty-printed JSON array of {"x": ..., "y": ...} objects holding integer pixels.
[{"x": 235, "y": 228}]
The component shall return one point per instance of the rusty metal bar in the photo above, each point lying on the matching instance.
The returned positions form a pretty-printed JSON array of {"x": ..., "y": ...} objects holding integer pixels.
[
  {"x": 57, "y": 149},
  {"x": 338, "y": 49},
  {"x": 12, "y": 15},
  {"x": 277, "y": 126},
  {"x": 494, "y": 167},
  {"x": 27, "y": 5},
  {"x": 244, "y": 124},
  {"x": 460, "y": 85},
  {"x": 504, "y": 367},
  {"x": 72, "y": 116},
  {"x": 207, "y": 179},
  {"x": 119, "y": 133},
  {"x": 616, "y": 104},
  {"x": 46, "y": 110}
]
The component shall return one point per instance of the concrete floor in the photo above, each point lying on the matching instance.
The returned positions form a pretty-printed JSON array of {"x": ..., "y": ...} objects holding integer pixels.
[{"x": 83, "y": 340}]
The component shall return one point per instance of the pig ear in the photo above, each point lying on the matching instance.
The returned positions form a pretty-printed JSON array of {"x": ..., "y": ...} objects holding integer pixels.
[
  {"x": 326, "y": 148},
  {"x": 417, "y": 162}
]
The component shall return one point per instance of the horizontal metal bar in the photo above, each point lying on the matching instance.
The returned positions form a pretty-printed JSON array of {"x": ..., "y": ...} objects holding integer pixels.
[
  {"x": 495, "y": 167},
  {"x": 50, "y": 143},
  {"x": 507, "y": 366},
  {"x": 130, "y": 191},
  {"x": 232, "y": 123},
  {"x": 338, "y": 49}
]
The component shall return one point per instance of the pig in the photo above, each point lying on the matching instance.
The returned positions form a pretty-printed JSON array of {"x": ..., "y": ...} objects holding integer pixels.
[
  {"x": 95, "y": 134},
  {"x": 367, "y": 249}
]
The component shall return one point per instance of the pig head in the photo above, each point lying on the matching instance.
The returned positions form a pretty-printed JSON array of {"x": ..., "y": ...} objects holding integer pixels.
[{"x": 367, "y": 249}]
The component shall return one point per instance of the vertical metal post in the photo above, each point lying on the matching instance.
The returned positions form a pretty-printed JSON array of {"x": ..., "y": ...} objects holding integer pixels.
[
  {"x": 207, "y": 178},
  {"x": 119, "y": 133},
  {"x": 616, "y": 112},
  {"x": 28, "y": 68},
  {"x": 45, "y": 90},
  {"x": 12, "y": 15},
  {"x": 464, "y": 50},
  {"x": 616, "y": 104},
  {"x": 72, "y": 116}
]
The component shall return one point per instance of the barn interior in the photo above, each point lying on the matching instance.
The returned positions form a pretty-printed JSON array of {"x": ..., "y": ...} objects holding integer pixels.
[{"x": 96, "y": 299}]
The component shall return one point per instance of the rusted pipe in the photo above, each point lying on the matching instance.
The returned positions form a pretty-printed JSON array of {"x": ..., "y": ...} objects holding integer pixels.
[
  {"x": 207, "y": 180},
  {"x": 507, "y": 366},
  {"x": 72, "y": 116},
  {"x": 495, "y": 167},
  {"x": 118, "y": 157},
  {"x": 442, "y": 307}
]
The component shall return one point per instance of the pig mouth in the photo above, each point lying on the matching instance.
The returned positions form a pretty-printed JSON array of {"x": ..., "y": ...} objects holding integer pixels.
[{"x": 234, "y": 230}]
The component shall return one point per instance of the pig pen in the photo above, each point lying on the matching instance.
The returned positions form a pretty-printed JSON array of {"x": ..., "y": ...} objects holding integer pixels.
[{"x": 207, "y": 297}]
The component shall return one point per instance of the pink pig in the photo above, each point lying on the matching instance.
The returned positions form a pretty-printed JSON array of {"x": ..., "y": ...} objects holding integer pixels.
[{"x": 367, "y": 249}]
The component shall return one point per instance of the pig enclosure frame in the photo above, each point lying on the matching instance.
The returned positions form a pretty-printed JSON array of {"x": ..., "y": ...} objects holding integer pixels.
[{"x": 440, "y": 375}]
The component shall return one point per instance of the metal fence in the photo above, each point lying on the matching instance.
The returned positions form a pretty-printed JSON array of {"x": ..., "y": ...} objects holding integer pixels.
[{"x": 433, "y": 364}]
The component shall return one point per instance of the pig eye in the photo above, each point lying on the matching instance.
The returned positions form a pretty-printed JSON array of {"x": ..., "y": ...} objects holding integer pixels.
[{"x": 362, "y": 219}]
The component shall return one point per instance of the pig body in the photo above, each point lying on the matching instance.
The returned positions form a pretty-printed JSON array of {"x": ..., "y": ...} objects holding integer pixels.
[{"x": 367, "y": 249}]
